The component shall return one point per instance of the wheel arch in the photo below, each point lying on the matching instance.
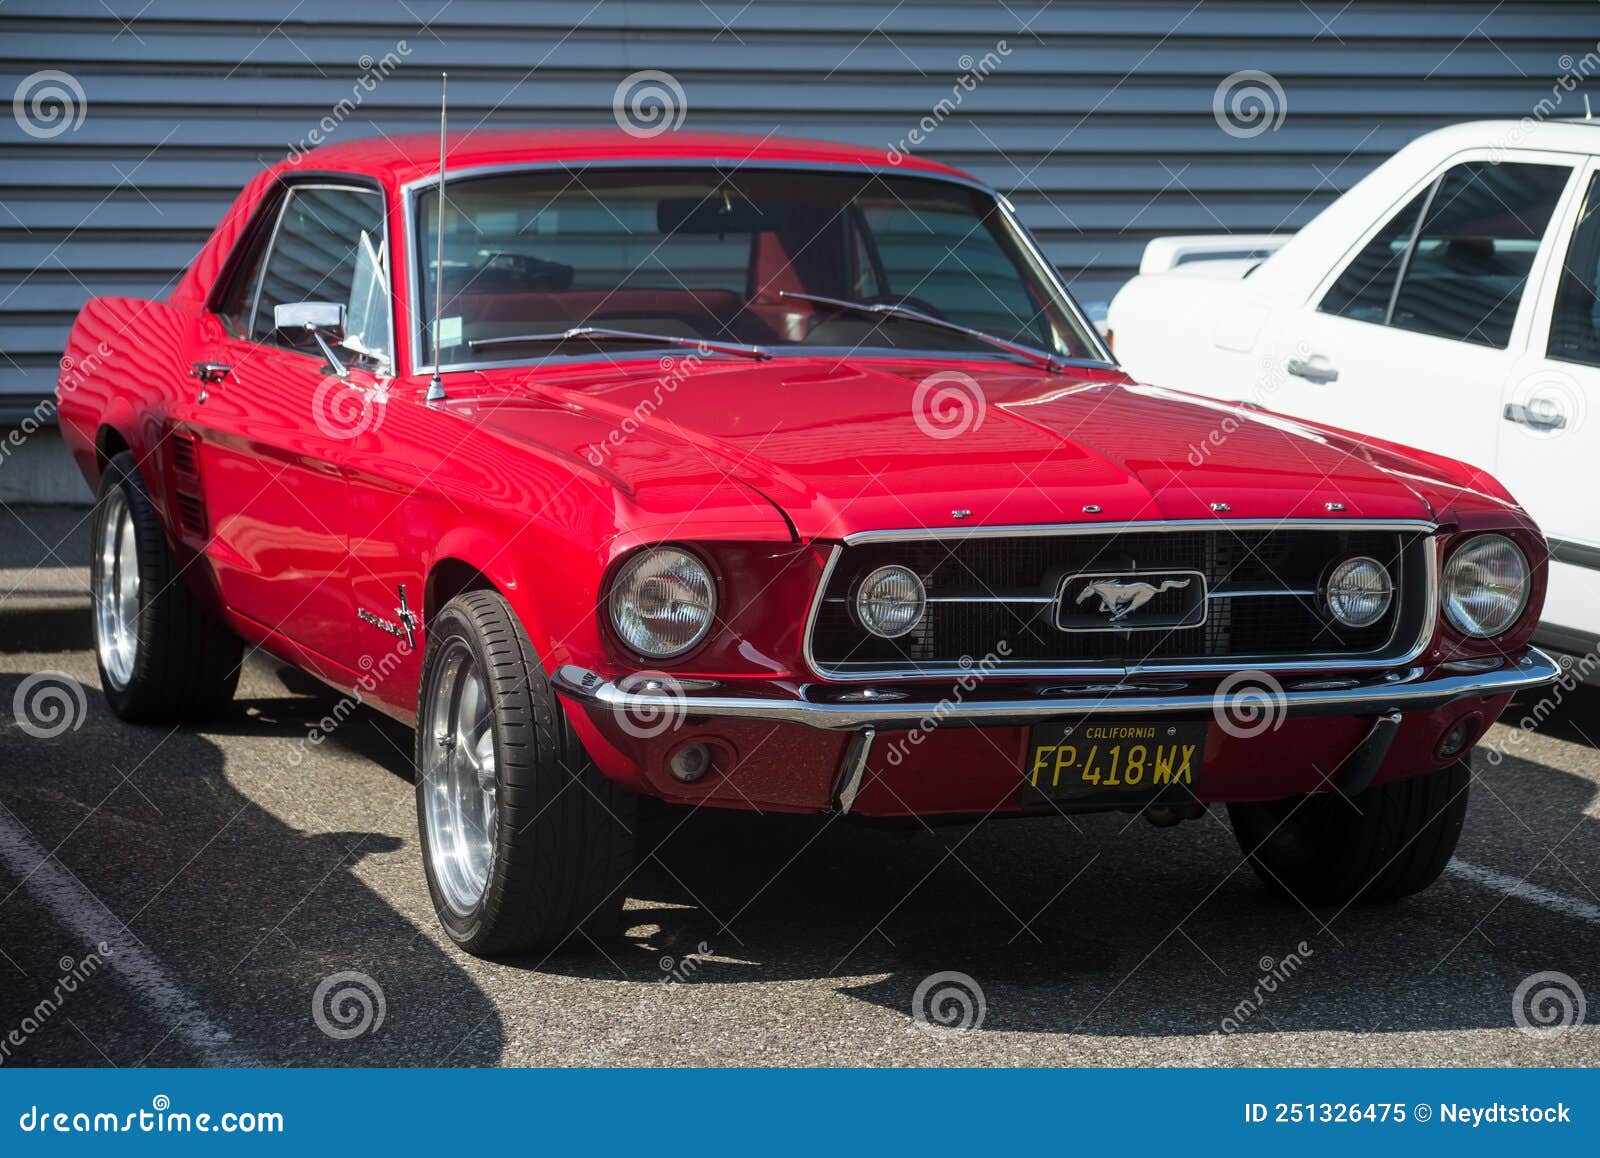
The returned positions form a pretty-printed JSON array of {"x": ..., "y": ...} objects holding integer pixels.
[
  {"x": 108, "y": 443},
  {"x": 469, "y": 559}
]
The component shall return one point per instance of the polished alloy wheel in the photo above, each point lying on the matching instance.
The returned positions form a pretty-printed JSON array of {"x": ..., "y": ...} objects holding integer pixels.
[
  {"x": 458, "y": 768},
  {"x": 116, "y": 591}
]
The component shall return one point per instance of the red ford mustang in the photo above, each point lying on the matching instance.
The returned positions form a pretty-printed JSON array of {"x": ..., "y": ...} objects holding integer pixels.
[{"x": 761, "y": 474}]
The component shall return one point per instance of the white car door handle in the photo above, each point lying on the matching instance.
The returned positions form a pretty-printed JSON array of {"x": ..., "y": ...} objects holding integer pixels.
[
  {"x": 1316, "y": 368},
  {"x": 1526, "y": 416}
]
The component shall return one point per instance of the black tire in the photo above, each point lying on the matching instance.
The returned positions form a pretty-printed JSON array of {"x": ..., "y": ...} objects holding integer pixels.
[
  {"x": 186, "y": 662},
  {"x": 563, "y": 848},
  {"x": 1382, "y": 844}
]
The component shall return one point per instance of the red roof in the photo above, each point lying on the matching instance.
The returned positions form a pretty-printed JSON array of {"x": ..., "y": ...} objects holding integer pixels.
[{"x": 406, "y": 158}]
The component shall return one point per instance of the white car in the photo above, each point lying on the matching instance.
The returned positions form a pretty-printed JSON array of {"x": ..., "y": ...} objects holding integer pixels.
[{"x": 1447, "y": 301}]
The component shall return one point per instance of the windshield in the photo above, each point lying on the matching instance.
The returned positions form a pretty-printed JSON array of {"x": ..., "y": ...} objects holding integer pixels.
[{"x": 720, "y": 256}]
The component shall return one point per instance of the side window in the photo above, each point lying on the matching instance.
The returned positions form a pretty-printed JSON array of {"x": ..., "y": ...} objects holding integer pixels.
[
  {"x": 1470, "y": 263},
  {"x": 1366, "y": 286},
  {"x": 1575, "y": 325},
  {"x": 329, "y": 247},
  {"x": 234, "y": 302}
]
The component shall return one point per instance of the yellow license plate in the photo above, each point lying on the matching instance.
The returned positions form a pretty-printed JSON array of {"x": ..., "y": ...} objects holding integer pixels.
[{"x": 1114, "y": 760}]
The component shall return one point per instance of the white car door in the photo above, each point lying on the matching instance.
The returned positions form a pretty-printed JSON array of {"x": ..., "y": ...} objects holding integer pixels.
[
  {"x": 1549, "y": 434},
  {"x": 1414, "y": 333}
]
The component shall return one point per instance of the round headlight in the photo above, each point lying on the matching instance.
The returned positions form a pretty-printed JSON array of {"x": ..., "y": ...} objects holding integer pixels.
[
  {"x": 1358, "y": 591},
  {"x": 662, "y": 602},
  {"x": 890, "y": 601},
  {"x": 1485, "y": 586}
]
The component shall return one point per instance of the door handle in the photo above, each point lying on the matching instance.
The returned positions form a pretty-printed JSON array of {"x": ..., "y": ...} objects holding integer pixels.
[
  {"x": 1316, "y": 368},
  {"x": 209, "y": 372},
  {"x": 1527, "y": 416}
]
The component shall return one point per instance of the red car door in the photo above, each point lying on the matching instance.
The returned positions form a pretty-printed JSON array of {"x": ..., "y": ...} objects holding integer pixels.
[{"x": 271, "y": 420}]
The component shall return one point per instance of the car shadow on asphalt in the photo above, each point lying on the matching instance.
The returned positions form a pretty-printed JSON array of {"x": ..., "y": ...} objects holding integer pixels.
[
  {"x": 1096, "y": 925},
  {"x": 247, "y": 914}
]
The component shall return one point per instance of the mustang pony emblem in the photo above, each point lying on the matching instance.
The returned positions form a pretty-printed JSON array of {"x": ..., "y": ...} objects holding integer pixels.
[{"x": 1123, "y": 599}]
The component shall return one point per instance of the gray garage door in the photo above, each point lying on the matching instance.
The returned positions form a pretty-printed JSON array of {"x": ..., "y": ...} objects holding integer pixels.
[{"x": 1100, "y": 119}]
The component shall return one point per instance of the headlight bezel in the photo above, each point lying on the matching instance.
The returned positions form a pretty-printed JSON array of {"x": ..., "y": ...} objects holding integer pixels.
[
  {"x": 1326, "y": 590},
  {"x": 878, "y": 574},
  {"x": 622, "y": 597},
  {"x": 1458, "y": 620}
]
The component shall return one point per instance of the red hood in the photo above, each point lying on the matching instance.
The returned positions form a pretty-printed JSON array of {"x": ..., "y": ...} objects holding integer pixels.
[{"x": 839, "y": 446}]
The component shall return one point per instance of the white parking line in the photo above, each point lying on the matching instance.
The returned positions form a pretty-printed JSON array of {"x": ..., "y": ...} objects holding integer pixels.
[
  {"x": 1523, "y": 891},
  {"x": 81, "y": 912}
]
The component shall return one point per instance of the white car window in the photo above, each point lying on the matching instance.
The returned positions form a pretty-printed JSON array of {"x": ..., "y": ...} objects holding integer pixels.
[
  {"x": 1366, "y": 287},
  {"x": 1454, "y": 261},
  {"x": 1575, "y": 324},
  {"x": 1470, "y": 262}
]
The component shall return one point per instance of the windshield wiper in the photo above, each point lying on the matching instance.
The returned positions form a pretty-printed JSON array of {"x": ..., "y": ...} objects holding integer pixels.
[
  {"x": 633, "y": 337},
  {"x": 892, "y": 310}
]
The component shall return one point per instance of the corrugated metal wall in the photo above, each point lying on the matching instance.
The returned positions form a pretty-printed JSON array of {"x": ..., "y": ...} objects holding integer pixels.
[{"x": 1097, "y": 118}]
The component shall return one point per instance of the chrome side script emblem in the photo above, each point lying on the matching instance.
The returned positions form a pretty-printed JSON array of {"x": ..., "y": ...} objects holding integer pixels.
[{"x": 405, "y": 629}]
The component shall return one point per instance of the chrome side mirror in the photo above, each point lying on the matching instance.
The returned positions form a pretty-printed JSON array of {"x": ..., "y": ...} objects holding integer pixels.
[
  {"x": 321, "y": 320},
  {"x": 328, "y": 317}
]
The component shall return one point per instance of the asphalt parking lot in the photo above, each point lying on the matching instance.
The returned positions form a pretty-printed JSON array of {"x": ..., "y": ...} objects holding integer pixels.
[{"x": 234, "y": 870}]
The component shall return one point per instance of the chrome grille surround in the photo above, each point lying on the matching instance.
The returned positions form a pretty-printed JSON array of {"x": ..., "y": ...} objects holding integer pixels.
[{"x": 1411, "y": 629}]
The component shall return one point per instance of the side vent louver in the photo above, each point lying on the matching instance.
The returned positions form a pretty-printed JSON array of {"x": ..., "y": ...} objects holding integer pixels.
[
  {"x": 188, "y": 504},
  {"x": 184, "y": 459}
]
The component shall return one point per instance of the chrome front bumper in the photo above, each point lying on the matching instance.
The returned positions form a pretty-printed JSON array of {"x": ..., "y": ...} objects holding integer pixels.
[{"x": 837, "y": 708}]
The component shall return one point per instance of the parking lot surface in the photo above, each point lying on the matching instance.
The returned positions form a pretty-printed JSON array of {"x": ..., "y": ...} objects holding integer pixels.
[{"x": 240, "y": 894}]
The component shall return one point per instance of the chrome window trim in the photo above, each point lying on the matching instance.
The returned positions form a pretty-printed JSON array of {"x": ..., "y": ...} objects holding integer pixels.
[
  {"x": 1322, "y": 662},
  {"x": 410, "y": 190},
  {"x": 353, "y": 185}
]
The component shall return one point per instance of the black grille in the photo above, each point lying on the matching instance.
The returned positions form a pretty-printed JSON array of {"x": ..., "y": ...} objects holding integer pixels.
[{"x": 986, "y": 590}]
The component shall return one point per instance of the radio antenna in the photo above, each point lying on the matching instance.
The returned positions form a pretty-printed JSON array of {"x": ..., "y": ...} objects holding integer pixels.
[{"x": 436, "y": 387}]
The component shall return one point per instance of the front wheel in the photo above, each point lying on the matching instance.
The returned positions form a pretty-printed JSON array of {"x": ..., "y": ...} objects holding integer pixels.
[
  {"x": 1379, "y": 845},
  {"x": 525, "y": 842}
]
